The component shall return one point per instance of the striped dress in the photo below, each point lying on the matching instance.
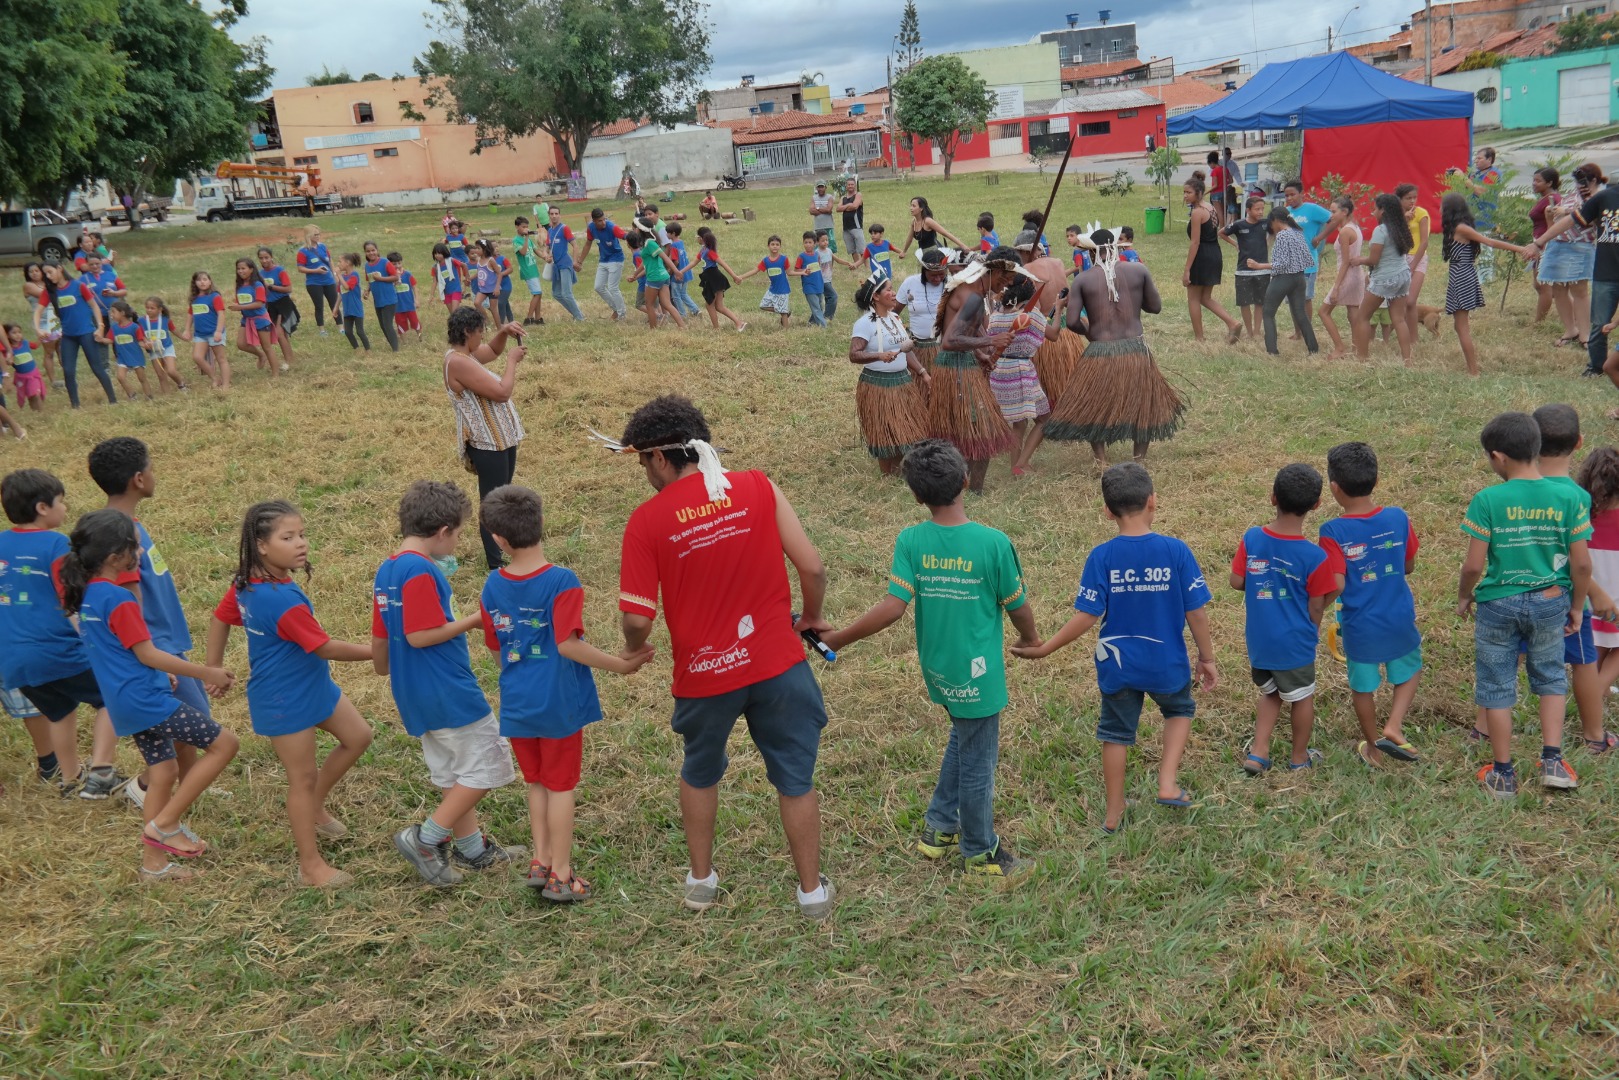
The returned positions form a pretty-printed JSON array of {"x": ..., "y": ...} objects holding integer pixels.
[
  {"x": 1015, "y": 382},
  {"x": 480, "y": 423},
  {"x": 1462, "y": 291}
]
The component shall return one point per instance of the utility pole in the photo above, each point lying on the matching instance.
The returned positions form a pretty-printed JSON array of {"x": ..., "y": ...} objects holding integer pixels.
[
  {"x": 893, "y": 139},
  {"x": 1427, "y": 41},
  {"x": 1329, "y": 39}
]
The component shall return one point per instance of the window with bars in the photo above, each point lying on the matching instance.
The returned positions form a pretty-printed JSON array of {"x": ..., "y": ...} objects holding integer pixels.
[{"x": 1100, "y": 127}]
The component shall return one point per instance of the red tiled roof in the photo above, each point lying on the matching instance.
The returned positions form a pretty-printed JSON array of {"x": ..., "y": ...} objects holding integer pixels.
[
  {"x": 1100, "y": 71},
  {"x": 1373, "y": 48},
  {"x": 617, "y": 127},
  {"x": 790, "y": 125},
  {"x": 1184, "y": 92},
  {"x": 1515, "y": 44},
  {"x": 1214, "y": 69}
]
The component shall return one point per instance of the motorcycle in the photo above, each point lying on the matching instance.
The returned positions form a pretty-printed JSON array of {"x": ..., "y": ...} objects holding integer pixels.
[{"x": 728, "y": 182}]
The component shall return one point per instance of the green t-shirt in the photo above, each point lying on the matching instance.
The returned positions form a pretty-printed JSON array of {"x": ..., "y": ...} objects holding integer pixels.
[
  {"x": 1528, "y": 525},
  {"x": 962, "y": 577},
  {"x": 652, "y": 263},
  {"x": 526, "y": 249}
]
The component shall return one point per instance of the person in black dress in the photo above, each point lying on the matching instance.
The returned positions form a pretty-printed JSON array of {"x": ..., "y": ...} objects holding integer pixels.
[{"x": 1202, "y": 273}]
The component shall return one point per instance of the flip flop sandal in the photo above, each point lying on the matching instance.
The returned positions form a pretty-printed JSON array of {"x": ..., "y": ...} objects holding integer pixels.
[
  {"x": 1399, "y": 751},
  {"x": 331, "y": 830},
  {"x": 170, "y": 872},
  {"x": 1119, "y": 827},
  {"x": 1311, "y": 756},
  {"x": 1363, "y": 751},
  {"x": 159, "y": 841},
  {"x": 1252, "y": 763},
  {"x": 341, "y": 879},
  {"x": 1566, "y": 339},
  {"x": 1181, "y": 801},
  {"x": 566, "y": 892}
]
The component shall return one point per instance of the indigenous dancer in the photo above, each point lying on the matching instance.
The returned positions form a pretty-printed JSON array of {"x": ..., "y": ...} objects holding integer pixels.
[
  {"x": 1117, "y": 392},
  {"x": 961, "y": 405},
  {"x": 1014, "y": 381},
  {"x": 1058, "y": 355},
  {"x": 893, "y": 411},
  {"x": 919, "y": 297}
]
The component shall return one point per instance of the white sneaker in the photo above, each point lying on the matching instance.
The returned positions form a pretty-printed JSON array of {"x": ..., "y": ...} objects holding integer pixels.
[
  {"x": 286, "y": 367},
  {"x": 135, "y": 794}
]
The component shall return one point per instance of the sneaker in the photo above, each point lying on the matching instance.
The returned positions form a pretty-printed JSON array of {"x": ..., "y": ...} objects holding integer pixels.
[
  {"x": 493, "y": 855},
  {"x": 1555, "y": 773},
  {"x": 1501, "y": 785},
  {"x": 51, "y": 777},
  {"x": 432, "y": 862},
  {"x": 938, "y": 845},
  {"x": 700, "y": 896},
  {"x": 135, "y": 793},
  {"x": 69, "y": 785},
  {"x": 1602, "y": 745},
  {"x": 99, "y": 785},
  {"x": 819, "y": 910},
  {"x": 997, "y": 863}
]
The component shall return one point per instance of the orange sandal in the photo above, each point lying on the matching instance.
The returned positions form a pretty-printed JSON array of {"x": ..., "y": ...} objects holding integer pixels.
[{"x": 566, "y": 892}]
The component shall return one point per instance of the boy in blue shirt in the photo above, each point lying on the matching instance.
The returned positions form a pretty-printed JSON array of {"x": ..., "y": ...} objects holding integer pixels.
[
  {"x": 1528, "y": 569},
  {"x": 807, "y": 268},
  {"x": 1371, "y": 550},
  {"x": 878, "y": 253},
  {"x": 1146, "y": 590},
  {"x": 962, "y": 576},
  {"x": 533, "y": 618},
  {"x": 677, "y": 281},
  {"x": 1286, "y": 582},
  {"x": 122, "y": 468},
  {"x": 988, "y": 238},
  {"x": 417, "y": 641}
]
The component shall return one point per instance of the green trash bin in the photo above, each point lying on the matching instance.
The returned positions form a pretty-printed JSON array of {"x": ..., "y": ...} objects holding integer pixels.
[{"x": 1155, "y": 219}]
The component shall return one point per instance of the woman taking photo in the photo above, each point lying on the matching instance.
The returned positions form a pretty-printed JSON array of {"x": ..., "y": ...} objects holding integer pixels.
[
  {"x": 1569, "y": 259},
  {"x": 1201, "y": 275},
  {"x": 73, "y": 303},
  {"x": 487, "y": 430},
  {"x": 889, "y": 398},
  {"x": 924, "y": 230}
]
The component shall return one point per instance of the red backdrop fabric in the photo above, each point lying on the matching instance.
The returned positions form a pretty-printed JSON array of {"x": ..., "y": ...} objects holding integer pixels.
[{"x": 1387, "y": 155}]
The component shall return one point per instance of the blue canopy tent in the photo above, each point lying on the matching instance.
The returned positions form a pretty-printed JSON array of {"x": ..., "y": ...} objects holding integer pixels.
[{"x": 1363, "y": 124}]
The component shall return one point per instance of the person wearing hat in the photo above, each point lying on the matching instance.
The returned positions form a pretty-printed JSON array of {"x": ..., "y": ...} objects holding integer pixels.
[
  {"x": 820, "y": 210},
  {"x": 919, "y": 297},
  {"x": 1117, "y": 393}
]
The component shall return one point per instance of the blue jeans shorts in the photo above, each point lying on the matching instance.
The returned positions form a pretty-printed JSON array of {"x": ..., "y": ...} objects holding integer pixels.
[
  {"x": 1365, "y": 678},
  {"x": 1309, "y": 285},
  {"x": 1121, "y": 712},
  {"x": 785, "y": 716},
  {"x": 1534, "y": 620}
]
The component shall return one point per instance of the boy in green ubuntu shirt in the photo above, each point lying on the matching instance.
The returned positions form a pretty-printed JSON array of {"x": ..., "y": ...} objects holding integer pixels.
[{"x": 961, "y": 575}]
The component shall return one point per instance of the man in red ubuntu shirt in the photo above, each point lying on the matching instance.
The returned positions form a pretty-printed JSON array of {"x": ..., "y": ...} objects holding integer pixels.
[{"x": 712, "y": 542}]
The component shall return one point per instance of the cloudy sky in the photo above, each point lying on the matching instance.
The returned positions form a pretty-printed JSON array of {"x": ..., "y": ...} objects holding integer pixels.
[{"x": 846, "y": 40}]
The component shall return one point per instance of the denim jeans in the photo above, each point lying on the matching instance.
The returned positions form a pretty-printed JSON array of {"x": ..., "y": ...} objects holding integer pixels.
[
  {"x": 562, "y": 280},
  {"x": 1535, "y": 619},
  {"x": 96, "y": 354},
  {"x": 608, "y": 275},
  {"x": 817, "y": 306},
  {"x": 1604, "y": 301},
  {"x": 831, "y": 300},
  {"x": 964, "y": 799},
  {"x": 504, "y": 307},
  {"x": 681, "y": 299},
  {"x": 1288, "y": 287}
]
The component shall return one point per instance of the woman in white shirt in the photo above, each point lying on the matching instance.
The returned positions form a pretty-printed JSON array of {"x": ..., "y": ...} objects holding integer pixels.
[
  {"x": 919, "y": 298},
  {"x": 889, "y": 400}
]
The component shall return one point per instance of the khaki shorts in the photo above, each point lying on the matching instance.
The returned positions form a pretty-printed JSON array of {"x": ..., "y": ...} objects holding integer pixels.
[{"x": 473, "y": 755}]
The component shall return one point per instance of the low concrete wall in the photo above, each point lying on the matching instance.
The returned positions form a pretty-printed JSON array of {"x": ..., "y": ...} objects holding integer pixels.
[
  {"x": 1485, "y": 114},
  {"x": 672, "y": 158},
  {"x": 534, "y": 192}
]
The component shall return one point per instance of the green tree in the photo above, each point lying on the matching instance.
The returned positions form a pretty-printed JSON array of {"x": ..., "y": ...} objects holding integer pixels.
[
  {"x": 328, "y": 77},
  {"x": 1586, "y": 32},
  {"x": 189, "y": 92},
  {"x": 942, "y": 99},
  {"x": 564, "y": 67},
  {"x": 59, "y": 80},
  {"x": 910, "y": 40}
]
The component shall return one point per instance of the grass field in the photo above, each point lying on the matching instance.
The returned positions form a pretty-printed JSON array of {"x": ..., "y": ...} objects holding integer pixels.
[{"x": 1346, "y": 923}]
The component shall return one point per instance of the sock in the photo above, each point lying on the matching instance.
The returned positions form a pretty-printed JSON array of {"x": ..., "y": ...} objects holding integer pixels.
[
  {"x": 1550, "y": 753},
  {"x": 432, "y": 834},
  {"x": 713, "y": 878},
  {"x": 1504, "y": 767},
  {"x": 48, "y": 764},
  {"x": 101, "y": 770},
  {"x": 470, "y": 846},
  {"x": 816, "y": 897}
]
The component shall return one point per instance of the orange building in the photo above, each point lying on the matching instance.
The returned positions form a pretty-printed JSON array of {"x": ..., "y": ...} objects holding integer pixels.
[{"x": 360, "y": 138}]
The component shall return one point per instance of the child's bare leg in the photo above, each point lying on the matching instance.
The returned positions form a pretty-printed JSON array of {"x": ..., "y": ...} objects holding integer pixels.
[
  {"x": 222, "y": 364},
  {"x": 976, "y": 470},
  {"x": 1366, "y": 716},
  {"x": 1194, "y": 309},
  {"x": 1099, "y": 451},
  {"x": 1400, "y": 311},
  {"x": 1031, "y": 441},
  {"x": 1498, "y": 724},
  {"x": 1266, "y": 713},
  {"x": 1177, "y": 730},
  {"x": 146, "y": 388},
  {"x": 166, "y": 812},
  {"x": 539, "y": 824},
  {"x": 17, "y": 431},
  {"x": 714, "y": 316},
  {"x": 1553, "y": 707},
  {"x": 559, "y": 826},
  {"x": 1589, "y": 690},
  {"x": 353, "y": 737},
  {"x": 1405, "y": 695},
  {"x": 1331, "y": 326},
  {"x": 1464, "y": 335},
  {"x": 668, "y": 306},
  {"x": 64, "y": 735},
  {"x": 1303, "y": 713},
  {"x": 103, "y": 741},
  {"x": 39, "y": 732},
  {"x": 160, "y": 786},
  {"x": 458, "y": 810},
  {"x": 297, "y": 754},
  {"x": 123, "y": 383},
  {"x": 1113, "y": 761}
]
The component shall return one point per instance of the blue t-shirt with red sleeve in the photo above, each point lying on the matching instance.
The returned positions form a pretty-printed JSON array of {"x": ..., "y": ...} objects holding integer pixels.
[
  {"x": 138, "y": 697},
  {"x": 607, "y": 237},
  {"x": 810, "y": 267},
  {"x": 1142, "y": 587},
  {"x": 205, "y": 312},
  {"x": 278, "y": 283},
  {"x": 503, "y": 265},
  {"x": 105, "y": 282},
  {"x": 988, "y": 242},
  {"x": 353, "y": 298},
  {"x": 405, "y": 291},
  {"x": 776, "y": 268},
  {"x": 447, "y": 275},
  {"x": 1379, "y": 621},
  {"x": 289, "y": 687},
  {"x": 128, "y": 345},
  {"x": 433, "y": 687},
  {"x": 543, "y": 694},
  {"x": 160, "y": 599},
  {"x": 382, "y": 292},
  {"x": 73, "y": 302},
  {"x": 1280, "y": 575},
  {"x": 251, "y": 295},
  {"x": 318, "y": 260},
  {"x": 878, "y": 254},
  {"x": 37, "y": 642}
]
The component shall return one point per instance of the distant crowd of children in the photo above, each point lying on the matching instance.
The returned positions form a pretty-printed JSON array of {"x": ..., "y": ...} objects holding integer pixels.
[{"x": 94, "y": 619}]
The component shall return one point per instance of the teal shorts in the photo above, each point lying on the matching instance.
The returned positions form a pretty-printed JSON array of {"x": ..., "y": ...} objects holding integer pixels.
[{"x": 1366, "y": 678}]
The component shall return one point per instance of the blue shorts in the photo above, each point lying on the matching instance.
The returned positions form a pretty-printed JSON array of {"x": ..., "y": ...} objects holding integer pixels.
[
  {"x": 1121, "y": 712},
  {"x": 1365, "y": 678},
  {"x": 1532, "y": 619},
  {"x": 536, "y": 287},
  {"x": 1580, "y": 648},
  {"x": 61, "y": 698},
  {"x": 785, "y": 717},
  {"x": 1309, "y": 285}
]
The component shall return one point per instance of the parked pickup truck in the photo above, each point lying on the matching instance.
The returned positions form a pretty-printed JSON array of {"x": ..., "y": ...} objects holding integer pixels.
[
  {"x": 42, "y": 233},
  {"x": 216, "y": 202},
  {"x": 147, "y": 206}
]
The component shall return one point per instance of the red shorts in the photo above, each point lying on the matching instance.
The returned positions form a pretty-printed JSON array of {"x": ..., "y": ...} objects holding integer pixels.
[
  {"x": 452, "y": 299},
  {"x": 554, "y": 764},
  {"x": 407, "y": 320}
]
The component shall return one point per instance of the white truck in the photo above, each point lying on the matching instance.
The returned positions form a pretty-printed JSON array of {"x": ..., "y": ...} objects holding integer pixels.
[{"x": 217, "y": 202}]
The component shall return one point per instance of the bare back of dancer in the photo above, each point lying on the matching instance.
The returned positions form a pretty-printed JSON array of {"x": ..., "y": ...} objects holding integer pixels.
[{"x": 1107, "y": 319}]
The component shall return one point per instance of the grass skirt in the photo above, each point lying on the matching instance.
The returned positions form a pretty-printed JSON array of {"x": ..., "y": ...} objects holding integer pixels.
[
  {"x": 1116, "y": 394},
  {"x": 962, "y": 408},
  {"x": 893, "y": 413},
  {"x": 1055, "y": 361},
  {"x": 926, "y": 352}
]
